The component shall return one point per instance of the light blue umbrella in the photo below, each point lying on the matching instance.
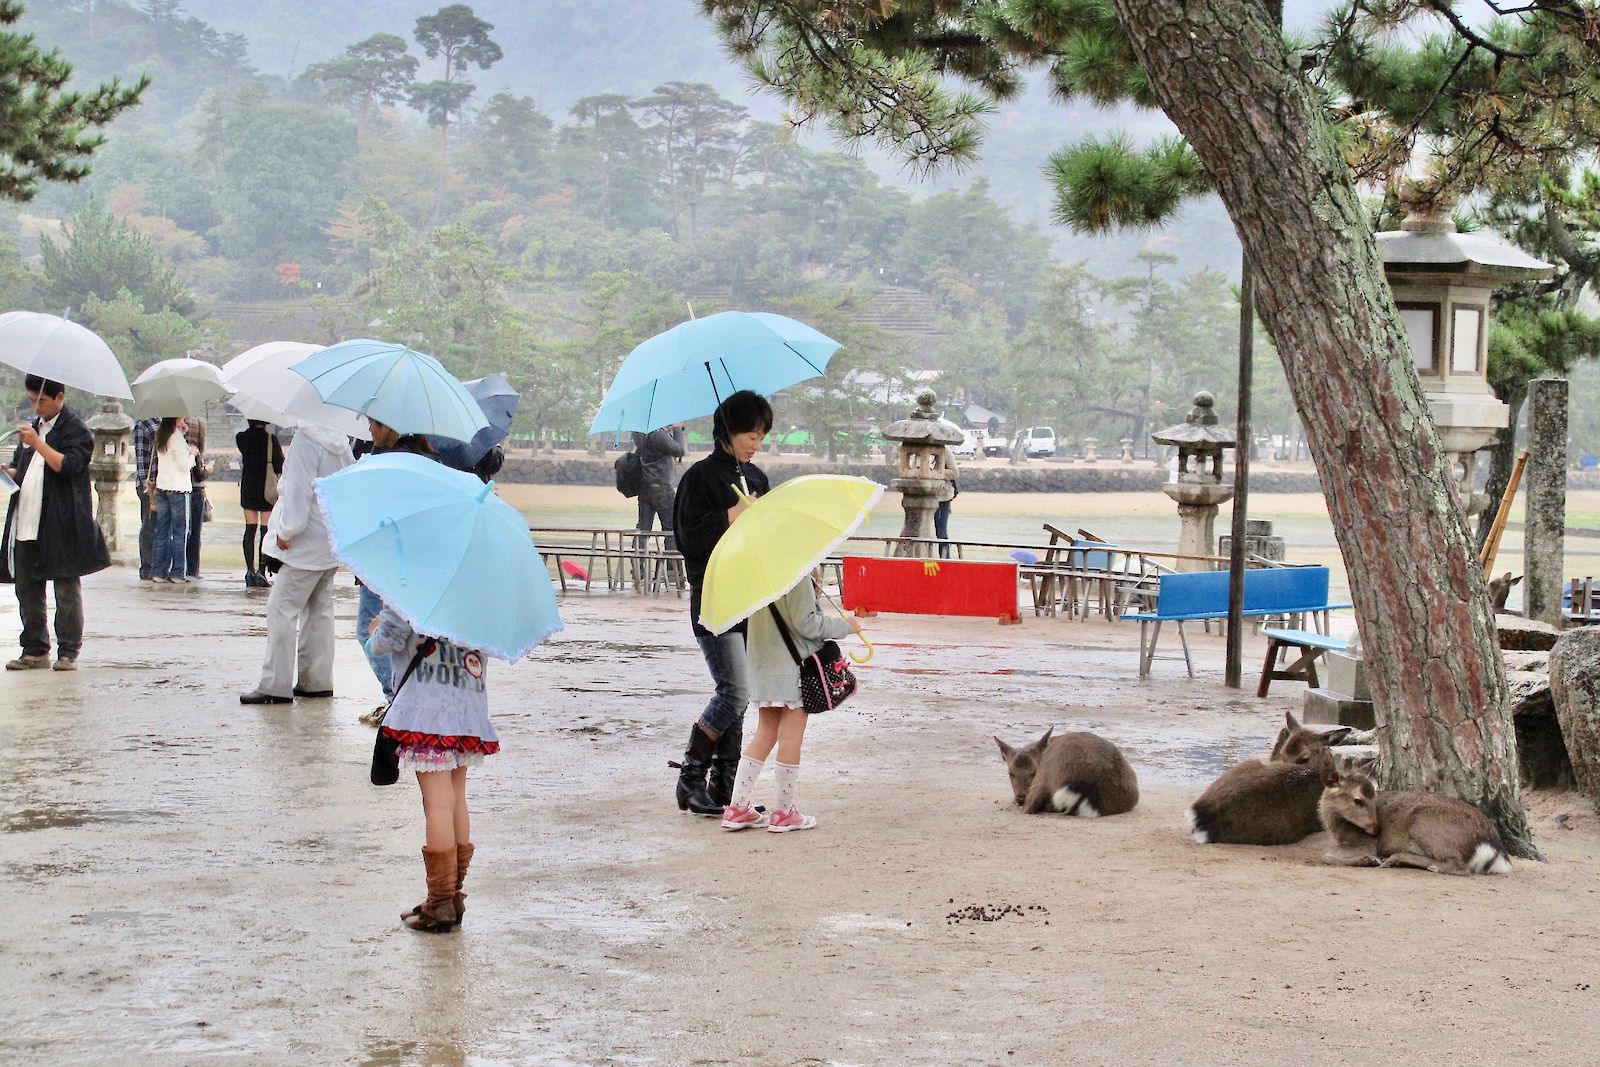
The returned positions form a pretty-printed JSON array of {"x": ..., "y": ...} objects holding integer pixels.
[
  {"x": 454, "y": 560},
  {"x": 404, "y": 389},
  {"x": 685, "y": 372}
]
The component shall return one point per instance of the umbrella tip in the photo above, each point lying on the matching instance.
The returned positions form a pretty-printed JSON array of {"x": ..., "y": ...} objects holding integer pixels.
[{"x": 488, "y": 487}]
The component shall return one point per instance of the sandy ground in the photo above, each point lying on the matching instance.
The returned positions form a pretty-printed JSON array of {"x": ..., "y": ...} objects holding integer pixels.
[
  {"x": 189, "y": 880},
  {"x": 185, "y": 880}
]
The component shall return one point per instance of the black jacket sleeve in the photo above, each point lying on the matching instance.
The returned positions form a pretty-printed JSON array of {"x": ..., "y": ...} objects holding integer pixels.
[{"x": 700, "y": 514}]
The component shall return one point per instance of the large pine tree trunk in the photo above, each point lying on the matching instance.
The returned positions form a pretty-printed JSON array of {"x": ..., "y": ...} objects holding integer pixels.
[{"x": 1221, "y": 74}]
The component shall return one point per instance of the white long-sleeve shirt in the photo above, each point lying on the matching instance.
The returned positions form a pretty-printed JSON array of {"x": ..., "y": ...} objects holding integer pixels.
[{"x": 315, "y": 453}]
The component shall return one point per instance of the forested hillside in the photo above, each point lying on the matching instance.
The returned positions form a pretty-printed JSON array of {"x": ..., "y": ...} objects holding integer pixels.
[{"x": 418, "y": 176}]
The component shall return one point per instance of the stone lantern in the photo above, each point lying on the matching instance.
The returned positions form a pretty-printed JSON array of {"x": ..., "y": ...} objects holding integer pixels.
[
  {"x": 926, "y": 471},
  {"x": 109, "y": 466},
  {"x": 1442, "y": 281},
  {"x": 1199, "y": 488}
]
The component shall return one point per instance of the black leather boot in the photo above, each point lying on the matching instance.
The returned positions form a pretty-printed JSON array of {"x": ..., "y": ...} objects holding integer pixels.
[
  {"x": 692, "y": 796},
  {"x": 725, "y": 766}
]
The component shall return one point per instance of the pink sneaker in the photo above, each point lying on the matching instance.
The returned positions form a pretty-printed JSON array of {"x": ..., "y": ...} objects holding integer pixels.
[
  {"x": 790, "y": 819},
  {"x": 734, "y": 818}
]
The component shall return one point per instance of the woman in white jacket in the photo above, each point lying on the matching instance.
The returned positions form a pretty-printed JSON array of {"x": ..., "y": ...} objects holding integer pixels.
[
  {"x": 775, "y": 690},
  {"x": 300, "y": 608}
]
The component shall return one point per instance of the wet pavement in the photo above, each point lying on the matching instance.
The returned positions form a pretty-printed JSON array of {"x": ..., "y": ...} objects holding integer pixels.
[{"x": 185, "y": 879}]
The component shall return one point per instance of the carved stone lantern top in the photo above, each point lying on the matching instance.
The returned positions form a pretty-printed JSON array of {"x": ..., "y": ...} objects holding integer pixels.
[
  {"x": 1200, "y": 431},
  {"x": 924, "y": 426},
  {"x": 1198, "y": 437},
  {"x": 110, "y": 419},
  {"x": 924, "y": 441}
]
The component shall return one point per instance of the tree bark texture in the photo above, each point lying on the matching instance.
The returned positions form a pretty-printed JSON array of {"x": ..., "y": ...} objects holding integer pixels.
[{"x": 1221, "y": 73}]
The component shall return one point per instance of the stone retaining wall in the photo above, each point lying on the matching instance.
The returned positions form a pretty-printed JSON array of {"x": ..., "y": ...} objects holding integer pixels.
[{"x": 996, "y": 476}]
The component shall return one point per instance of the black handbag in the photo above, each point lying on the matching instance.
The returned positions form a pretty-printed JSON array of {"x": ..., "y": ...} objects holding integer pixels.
[
  {"x": 385, "y": 749},
  {"x": 826, "y": 680}
]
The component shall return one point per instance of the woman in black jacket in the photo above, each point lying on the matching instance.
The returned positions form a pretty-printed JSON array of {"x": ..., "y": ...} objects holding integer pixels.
[
  {"x": 258, "y": 449},
  {"x": 705, "y": 506}
]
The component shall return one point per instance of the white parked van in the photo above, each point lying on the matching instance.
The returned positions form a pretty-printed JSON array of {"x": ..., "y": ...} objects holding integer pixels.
[
  {"x": 968, "y": 448},
  {"x": 1039, "y": 441}
]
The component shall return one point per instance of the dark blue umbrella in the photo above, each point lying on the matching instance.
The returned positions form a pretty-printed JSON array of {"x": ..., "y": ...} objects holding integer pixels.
[{"x": 499, "y": 403}]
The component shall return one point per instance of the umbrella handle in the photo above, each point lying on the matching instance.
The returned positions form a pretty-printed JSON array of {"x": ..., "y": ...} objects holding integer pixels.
[{"x": 870, "y": 650}]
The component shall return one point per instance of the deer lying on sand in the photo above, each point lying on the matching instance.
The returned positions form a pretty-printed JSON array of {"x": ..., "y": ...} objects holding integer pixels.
[
  {"x": 1379, "y": 828},
  {"x": 1268, "y": 802},
  {"x": 1076, "y": 774}
]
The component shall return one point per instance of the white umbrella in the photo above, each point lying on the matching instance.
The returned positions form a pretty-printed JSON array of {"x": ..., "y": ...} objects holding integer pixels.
[
  {"x": 176, "y": 388},
  {"x": 265, "y": 389},
  {"x": 63, "y": 351}
]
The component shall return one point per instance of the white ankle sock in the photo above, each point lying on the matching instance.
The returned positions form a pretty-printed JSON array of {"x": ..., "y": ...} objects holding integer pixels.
[
  {"x": 744, "y": 782},
  {"x": 787, "y": 774}
]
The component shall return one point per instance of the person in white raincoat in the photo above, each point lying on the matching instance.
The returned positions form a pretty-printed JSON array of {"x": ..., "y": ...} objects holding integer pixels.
[{"x": 299, "y": 660}]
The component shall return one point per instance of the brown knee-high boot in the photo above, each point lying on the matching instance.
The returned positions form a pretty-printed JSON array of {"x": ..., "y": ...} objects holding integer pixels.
[
  {"x": 463, "y": 861},
  {"x": 437, "y": 914}
]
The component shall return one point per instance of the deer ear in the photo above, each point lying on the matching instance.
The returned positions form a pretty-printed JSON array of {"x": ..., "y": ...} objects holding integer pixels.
[
  {"x": 1045, "y": 740},
  {"x": 1005, "y": 750},
  {"x": 1517, "y": 579},
  {"x": 1331, "y": 779},
  {"x": 1338, "y": 735},
  {"x": 1294, "y": 724}
]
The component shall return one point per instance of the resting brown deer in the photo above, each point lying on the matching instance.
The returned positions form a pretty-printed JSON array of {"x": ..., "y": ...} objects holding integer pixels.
[
  {"x": 1076, "y": 773},
  {"x": 1268, "y": 802},
  {"x": 1379, "y": 828}
]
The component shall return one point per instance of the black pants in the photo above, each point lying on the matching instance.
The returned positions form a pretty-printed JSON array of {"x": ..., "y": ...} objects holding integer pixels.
[
  {"x": 197, "y": 514},
  {"x": 35, "y": 637},
  {"x": 147, "y": 530}
]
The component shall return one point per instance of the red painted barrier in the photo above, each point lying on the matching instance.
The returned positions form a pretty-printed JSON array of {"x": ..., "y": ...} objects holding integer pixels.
[{"x": 930, "y": 587}]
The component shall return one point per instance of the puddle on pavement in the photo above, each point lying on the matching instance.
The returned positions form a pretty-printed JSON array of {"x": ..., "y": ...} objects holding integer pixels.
[
  {"x": 1189, "y": 759},
  {"x": 68, "y": 818}
]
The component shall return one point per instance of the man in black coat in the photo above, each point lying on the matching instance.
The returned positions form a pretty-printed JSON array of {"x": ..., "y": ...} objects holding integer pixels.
[{"x": 50, "y": 532}]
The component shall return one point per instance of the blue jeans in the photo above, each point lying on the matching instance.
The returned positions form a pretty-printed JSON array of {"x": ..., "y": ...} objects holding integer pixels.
[
  {"x": 172, "y": 535},
  {"x": 941, "y": 526},
  {"x": 367, "y": 610},
  {"x": 731, "y": 673}
]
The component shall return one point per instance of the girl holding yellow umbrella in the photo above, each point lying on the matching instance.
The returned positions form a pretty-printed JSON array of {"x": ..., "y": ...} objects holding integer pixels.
[{"x": 761, "y": 571}]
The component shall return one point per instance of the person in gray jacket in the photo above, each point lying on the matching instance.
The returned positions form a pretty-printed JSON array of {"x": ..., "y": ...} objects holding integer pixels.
[{"x": 658, "y": 451}]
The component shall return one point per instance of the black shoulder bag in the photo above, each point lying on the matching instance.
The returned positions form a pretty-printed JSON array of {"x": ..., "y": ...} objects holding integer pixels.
[
  {"x": 826, "y": 680},
  {"x": 385, "y": 749}
]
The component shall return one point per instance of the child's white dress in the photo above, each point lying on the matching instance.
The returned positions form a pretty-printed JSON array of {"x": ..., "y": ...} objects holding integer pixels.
[{"x": 440, "y": 716}]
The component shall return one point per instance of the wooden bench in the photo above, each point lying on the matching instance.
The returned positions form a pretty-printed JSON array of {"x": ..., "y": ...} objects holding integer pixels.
[
  {"x": 1310, "y": 644},
  {"x": 1193, "y": 596}
]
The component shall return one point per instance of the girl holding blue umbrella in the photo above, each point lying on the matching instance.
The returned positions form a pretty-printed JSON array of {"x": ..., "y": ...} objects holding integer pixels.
[
  {"x": 440, "y": 719},
  {"x": 460, "y": 581}
]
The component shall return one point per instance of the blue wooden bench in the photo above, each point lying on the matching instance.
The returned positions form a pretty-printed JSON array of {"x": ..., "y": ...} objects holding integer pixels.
[
  {"x": 1311, "y": 645},
  {"x": 1201, "y": 595}
]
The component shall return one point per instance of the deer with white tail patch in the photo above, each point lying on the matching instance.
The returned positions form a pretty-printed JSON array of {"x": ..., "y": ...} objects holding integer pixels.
[
  {"x": 1377, "y": 828},
  {"x": 1077, "y": 773}
]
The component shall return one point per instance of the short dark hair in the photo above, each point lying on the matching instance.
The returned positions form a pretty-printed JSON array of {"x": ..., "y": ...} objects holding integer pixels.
[
  {"x": 740, "y": 413},
  {"x": 33, "y": 383}
]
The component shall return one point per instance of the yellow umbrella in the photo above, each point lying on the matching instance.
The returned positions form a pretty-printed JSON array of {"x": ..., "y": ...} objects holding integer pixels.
[{"x": 779, "y": 540}]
